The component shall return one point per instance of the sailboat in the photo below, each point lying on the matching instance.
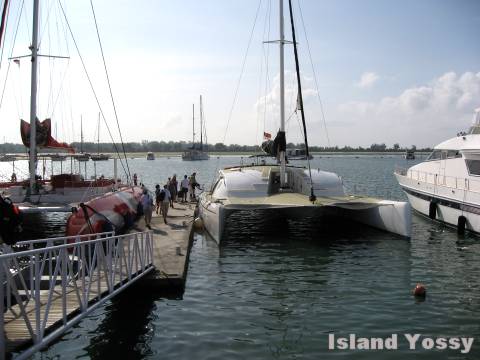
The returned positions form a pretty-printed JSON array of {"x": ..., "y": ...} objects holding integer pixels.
[
  {"x": 37, "y": 194},
  {"x": 195, "y": 153},
  {"x": 98, "y": 156},
  {"x": 293, "y": 191}
]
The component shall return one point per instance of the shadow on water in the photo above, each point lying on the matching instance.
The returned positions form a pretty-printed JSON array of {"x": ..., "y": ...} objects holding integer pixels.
[
  {"x": 270, "y": 227},
  {"x": 129, "y": 322},
  {"x": 44, "y": 225}
]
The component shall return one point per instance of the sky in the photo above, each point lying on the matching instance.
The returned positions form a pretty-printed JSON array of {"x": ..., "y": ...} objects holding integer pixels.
[{"x": 372, "y": 71}]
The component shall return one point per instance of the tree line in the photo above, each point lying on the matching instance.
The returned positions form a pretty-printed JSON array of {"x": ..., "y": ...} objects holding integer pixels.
[{"x": 179, "y": 146}]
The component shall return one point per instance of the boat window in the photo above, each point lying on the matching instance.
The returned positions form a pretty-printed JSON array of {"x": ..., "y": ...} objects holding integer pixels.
[
  {"x": 435, "y": 155},
  {"x": 444, "y": 155},
  {"x": 451, "y": 154},
  {"x": 473, "y": 167}
]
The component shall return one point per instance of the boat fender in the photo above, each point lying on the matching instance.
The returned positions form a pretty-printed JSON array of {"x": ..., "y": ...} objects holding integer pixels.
[
  {"x": 461, "y": 224},
  {"x": 198, "y": 223},
  {"x": 432, "y": 210}
]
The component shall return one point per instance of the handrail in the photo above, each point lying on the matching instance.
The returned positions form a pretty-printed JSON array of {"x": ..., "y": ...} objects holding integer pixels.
[
  {"x": 63, "y": 238},
  {"x": 46, "y": 285},
  {"x": 440, "y": 180}
]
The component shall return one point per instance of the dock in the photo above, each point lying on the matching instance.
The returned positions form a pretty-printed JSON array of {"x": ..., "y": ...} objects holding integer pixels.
[
  {"x": 171, "y": 247},
  {"x": 66, "y": 278}
]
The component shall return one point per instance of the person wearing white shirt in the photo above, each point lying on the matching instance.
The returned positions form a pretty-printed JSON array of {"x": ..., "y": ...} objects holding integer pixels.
[{"x": 185, "y": 185}]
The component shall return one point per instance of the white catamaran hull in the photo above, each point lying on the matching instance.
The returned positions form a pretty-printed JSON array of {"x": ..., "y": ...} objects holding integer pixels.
[
  {"x": 390, "y": 216},
  {"x": 256, "y": 188}
]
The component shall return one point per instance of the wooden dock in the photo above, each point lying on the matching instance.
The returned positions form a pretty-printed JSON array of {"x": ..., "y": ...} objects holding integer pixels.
[{"x": 172, "y": 244}]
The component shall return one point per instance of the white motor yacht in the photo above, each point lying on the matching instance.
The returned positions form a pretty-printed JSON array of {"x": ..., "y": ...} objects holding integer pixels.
[
  {"x": 446, "y": 187},
  {"x": 294, "y": 191}
]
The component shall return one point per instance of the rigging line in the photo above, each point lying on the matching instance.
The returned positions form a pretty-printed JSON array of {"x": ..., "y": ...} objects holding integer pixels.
[
  {"x": 237, "y": 87},
  {"x": 267, "y": 70},
  {"x": 45, "y": 25},
  {"x": 3, "y": 29},
  {"x": 110, "y": 89},
  {"x": 242, "y": 71},
  {"x": 92, "y": 88},
  {"x": 300, "y": 101},
  {"x": 314, "y": 76},
  {"x": 260, "y": 82},
  {"x": 11, "y": 51}
]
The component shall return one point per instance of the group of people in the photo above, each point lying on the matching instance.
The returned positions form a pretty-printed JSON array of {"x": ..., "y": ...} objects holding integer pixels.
[{"x": 172, "y": 191}]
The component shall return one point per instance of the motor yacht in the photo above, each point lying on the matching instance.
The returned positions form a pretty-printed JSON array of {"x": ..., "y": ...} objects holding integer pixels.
[{"x": 446, "y": 186}]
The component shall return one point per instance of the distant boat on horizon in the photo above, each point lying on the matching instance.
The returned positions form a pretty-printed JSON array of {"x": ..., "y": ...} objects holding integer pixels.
[{"x": 194, "y": 154}]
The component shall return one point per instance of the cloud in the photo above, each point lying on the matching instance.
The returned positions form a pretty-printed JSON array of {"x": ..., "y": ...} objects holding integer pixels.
[
  {"x": 425, "y": 114},
  {"x": 367, "y": 80}
]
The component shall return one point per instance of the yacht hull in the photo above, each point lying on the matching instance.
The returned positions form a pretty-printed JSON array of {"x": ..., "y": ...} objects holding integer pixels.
[{"x": 442, "y": 204}]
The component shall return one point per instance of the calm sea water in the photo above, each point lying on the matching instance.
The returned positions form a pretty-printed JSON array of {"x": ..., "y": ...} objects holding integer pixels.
[{"x": 276, "y": 288}]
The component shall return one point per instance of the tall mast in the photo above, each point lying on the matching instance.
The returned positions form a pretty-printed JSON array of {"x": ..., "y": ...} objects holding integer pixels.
[
  {"x": 81, "y": 134},
  {"x": 201, "y": 124},
  {"x": 193, "y": 126},
  {"x": 98, "y": 135},
  {"x": 33, "y": 100},
  {"x": 282, "y": 93}
]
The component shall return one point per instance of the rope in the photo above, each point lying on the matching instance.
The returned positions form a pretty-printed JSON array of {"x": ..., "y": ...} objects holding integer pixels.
[
  {"x": 92, "y": 88},
  {"x": 315, "y": 77},
  {"x": 11, "y": 52},
  {"x": 111, "y": 93},
  {"x": 300, "y": 100},
  {"x": 239, "y": 80}
]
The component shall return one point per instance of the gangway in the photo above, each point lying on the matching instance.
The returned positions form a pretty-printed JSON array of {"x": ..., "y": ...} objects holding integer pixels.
[{"x": 51, "y": 284}]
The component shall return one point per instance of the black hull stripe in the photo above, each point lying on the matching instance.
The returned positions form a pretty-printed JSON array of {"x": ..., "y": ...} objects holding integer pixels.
[{"x": 449, "y": 203}]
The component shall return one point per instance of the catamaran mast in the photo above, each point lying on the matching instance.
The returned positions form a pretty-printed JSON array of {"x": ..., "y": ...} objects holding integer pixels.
[
  {"x": 201, "y": 125},
  {"x": 282, "y": 93},
  {"x": 33, "y": 100}
]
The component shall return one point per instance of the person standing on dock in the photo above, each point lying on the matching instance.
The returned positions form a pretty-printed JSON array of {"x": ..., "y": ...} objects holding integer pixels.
[
  {"x": 158, "y": 200},
  {"x": 147, "y": 205},
  {"x": 172, "y": 187},
  {"x": 193, "y": 185},
  {"x": 165, "y": 202},
  {"x": 185, "y": 184}
]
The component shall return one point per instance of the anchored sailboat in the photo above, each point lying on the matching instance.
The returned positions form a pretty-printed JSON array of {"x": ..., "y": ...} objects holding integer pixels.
[
  {"x": 293, "y": 191},
  {"x": 197, "y": 153},
  {"x": 60, "y": 190}
]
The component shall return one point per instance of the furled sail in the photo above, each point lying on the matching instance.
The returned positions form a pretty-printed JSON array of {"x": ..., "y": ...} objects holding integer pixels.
[{"x": 44, "y": 137}]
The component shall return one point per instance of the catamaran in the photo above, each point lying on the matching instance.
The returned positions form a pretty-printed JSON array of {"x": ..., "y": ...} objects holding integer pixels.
[{"x": 290, "y": 190}]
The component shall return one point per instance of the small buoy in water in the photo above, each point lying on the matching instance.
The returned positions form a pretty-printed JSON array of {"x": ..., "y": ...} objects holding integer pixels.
[
  {"x": 420, "y": 290},
  {"x": 198, "y": 223}
]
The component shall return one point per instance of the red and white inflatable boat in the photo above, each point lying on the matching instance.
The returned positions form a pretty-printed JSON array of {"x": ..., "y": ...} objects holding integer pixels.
[{"x": 114, "y": 211}]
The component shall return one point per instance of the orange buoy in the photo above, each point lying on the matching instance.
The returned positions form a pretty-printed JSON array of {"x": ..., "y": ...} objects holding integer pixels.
[{"x": 420, "y": 290}]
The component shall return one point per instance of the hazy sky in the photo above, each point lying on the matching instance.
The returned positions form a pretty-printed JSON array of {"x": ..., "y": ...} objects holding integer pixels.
[{"x": 404, "y": 71}]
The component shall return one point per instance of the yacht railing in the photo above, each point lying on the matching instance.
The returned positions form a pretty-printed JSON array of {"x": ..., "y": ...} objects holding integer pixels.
[{"x": 453, "y": 182}]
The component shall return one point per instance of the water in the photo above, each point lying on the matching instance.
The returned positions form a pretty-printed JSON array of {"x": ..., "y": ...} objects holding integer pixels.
[{"x": 276, "y": 288}]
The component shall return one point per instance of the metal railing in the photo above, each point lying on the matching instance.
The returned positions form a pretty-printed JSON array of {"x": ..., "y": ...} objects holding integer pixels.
[
  {"x": 453, "y": 182},
  {"x": 61, "y": 284}
]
